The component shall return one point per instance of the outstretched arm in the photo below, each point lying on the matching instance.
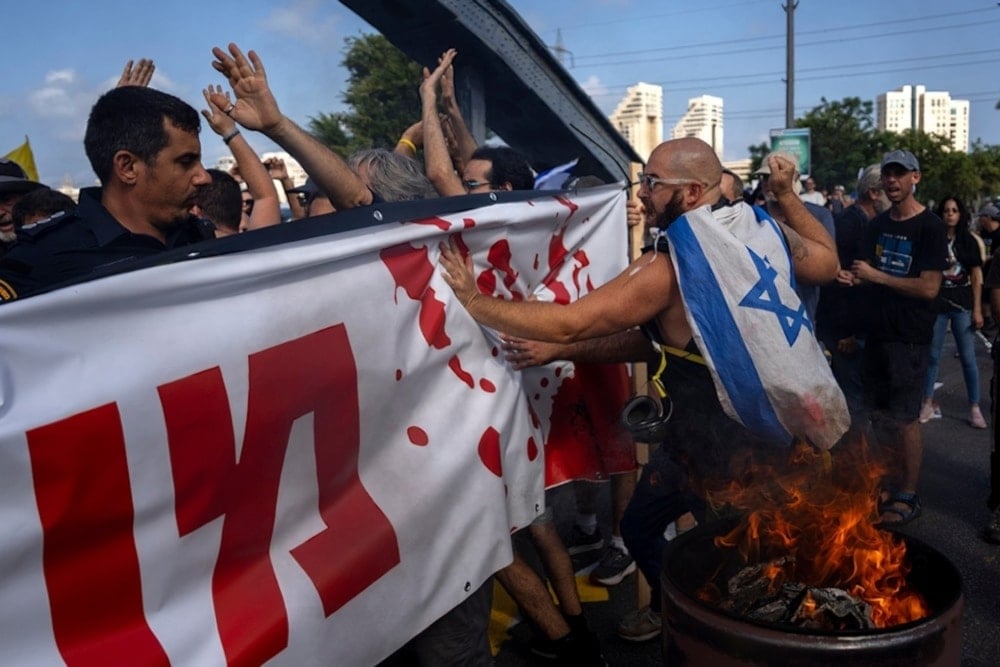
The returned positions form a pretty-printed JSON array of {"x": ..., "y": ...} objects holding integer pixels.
[
  {"x": 625, "y": 346},
  {"x": 256, "y": 109},
  {"x": 266, "y": 206},
  {"x": 277, "y": 171},
  {"x": 637, "y": 295}
]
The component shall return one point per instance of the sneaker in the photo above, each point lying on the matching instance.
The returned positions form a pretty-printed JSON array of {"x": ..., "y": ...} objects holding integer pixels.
[
  {"x": 640, "y": 625},
  {"x": 929, "y": 411},
  {"x": 992, "y": 531},
  {"x": 580, "y": 542},
  {"x": 976, "y": 417},
  {"x": 614, "y": 566}
]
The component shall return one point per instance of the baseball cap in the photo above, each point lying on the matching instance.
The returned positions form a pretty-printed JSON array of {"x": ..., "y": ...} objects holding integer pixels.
[
  {"x": 990, "y": 211},
  {"x": 14, "y": 180},
  {"x": 905, "y": 159},
  {"x": 308, "y": 188}
]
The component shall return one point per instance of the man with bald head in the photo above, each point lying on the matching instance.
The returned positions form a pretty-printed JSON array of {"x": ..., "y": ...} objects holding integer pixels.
[{"x": 618, "y": 322}]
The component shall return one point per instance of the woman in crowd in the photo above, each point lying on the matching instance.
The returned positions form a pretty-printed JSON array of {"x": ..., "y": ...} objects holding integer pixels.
[{"x": 960, "y": 304}]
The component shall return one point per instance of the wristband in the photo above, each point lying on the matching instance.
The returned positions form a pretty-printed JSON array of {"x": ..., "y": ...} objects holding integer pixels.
[
  {"x": 228, "y": 136},
  {"x": 409, "y": 144}
]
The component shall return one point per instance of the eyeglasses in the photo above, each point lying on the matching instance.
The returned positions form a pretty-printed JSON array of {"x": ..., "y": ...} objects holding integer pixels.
[
  {"x": 472, "y": 184},
  {"x": 650, "y": 181},
  {"x": 248, "y": 205}
]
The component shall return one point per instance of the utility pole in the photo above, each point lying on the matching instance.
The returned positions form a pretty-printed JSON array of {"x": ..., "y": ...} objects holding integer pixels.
[
  {"x": 790, "y": 62},
  {"x": 561, "y": 51}
]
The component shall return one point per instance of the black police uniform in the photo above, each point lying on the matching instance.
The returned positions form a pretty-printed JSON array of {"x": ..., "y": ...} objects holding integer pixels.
[{"x": 87, "y": 242}]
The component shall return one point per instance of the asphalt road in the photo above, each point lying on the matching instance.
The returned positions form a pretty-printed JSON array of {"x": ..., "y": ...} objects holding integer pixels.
[{"x": 953, "y": 489}]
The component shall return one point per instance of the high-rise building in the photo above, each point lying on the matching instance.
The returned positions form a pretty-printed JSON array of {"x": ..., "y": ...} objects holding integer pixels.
[
  {"x": 639, "y": 117},
  {"x": 934, "y": 112},
  {"x": 703, "y": 119}
]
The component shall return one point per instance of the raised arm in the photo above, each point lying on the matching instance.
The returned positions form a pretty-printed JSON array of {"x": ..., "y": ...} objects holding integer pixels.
[
  {"x": 256, "y": 109},
  {"x": 465, "y": 143},
  {"x": 437, "y": 160},
  {"x": 266, "y": 205},
  {"x": 814, "y": 253},
  {"x": 277, "y": 171}
]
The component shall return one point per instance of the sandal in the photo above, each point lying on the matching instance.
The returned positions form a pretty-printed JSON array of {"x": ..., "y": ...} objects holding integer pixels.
[{"x": 912, "y": 502}]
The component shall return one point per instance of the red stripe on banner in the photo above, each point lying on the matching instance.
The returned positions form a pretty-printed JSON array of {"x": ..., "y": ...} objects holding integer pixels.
[
  {"x": 89, "y": 555},
  {"x": 359, "y": 544},
  {"x": 202, "y": 446}
]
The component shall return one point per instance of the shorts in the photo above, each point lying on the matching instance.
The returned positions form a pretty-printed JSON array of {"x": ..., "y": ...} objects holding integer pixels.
[{"x": 893, "y": 376}]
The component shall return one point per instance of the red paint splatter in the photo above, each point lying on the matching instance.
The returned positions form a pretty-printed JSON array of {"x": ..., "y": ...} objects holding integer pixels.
[
  {"x": 538, "y": 396},
  {"x": 487, "y": 386},
  {"x": 558, "y": 371},
  {"x": 532, "y": 449},
  {"x": 582, "y": 262},
  {"x": 417, "y": 436},
  {"x": 468, "y": 223},
  {"x": 456, "y": 367},
  {"x": 399, "y": 374},
  {"x": 489, "y": 451},
  {"x": 499, "y": 257},
  {"x": 412, "y": 270},
  {"x": 557, "y": 255},
  {"x": 440, "y": 223},
  {"x": 495, "y": 351},
  {"x": 573, "y": 208},
  {"x": 544, "y": 382},
  {"x": 537, "y": 262}
]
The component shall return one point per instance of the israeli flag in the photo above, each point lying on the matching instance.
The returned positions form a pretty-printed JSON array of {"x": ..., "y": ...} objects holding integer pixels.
[
  {"x": 553, "y": 179},
  {"x": 735, "y": 275}
]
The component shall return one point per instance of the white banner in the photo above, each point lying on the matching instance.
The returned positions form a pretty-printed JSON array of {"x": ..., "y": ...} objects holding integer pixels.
[{"x": 297, "y": 455}]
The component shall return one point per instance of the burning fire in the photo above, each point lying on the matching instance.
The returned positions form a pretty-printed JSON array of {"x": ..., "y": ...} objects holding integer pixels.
[{"x": 810, "y": 517}]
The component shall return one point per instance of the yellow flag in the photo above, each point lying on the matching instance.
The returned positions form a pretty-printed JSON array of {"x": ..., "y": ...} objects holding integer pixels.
[{"x": 23, "y": 156}]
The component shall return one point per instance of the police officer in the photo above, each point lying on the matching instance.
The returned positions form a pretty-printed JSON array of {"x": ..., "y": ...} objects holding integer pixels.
[
  {"x": 14, "y": 184},
  {"x": 143, "y": 145}
]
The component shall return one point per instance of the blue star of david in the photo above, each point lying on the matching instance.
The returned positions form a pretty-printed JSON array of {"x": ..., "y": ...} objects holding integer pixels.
[{"x": 764, "y": 296}]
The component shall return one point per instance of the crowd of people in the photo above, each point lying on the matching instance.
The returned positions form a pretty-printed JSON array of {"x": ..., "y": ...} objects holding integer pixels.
[{"x": 882, "y": 277}]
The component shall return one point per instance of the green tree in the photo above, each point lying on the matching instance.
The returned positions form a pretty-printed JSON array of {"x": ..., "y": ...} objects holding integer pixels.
[
  {"x": 382, "y": 92},
  {"x": 329, "y": 129},
  {"x": 844, "y": 140}
]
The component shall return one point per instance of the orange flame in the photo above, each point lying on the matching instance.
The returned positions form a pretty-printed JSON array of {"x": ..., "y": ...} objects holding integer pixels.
[{"x": 820, "y": 509}]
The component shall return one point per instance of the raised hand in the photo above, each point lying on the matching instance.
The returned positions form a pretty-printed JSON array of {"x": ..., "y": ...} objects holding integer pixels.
[
  {"x": 138, "y": 75},
  {"x": 215, "y": 114},
  {"x": 255, "y": 107}
]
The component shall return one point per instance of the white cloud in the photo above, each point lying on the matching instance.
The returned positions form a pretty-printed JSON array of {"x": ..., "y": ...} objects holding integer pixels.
[
  {"x": 302, "y": 20},
  {"x": 593, "y": 86},
  {"x": 53, "y": 101},
  {"x": 61, "y": 76}
]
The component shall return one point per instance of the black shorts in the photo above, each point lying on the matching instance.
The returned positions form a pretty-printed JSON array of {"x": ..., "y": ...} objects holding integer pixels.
[{"x": 892, "y": 377}]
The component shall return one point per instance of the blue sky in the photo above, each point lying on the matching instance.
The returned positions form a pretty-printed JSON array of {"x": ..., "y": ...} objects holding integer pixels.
[{"x": 61, "y": 56}]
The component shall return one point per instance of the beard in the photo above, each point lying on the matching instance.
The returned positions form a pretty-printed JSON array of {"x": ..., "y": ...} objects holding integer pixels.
[
  {"x": 8, "y": 236},
  {"x": 673, "y": 210}
]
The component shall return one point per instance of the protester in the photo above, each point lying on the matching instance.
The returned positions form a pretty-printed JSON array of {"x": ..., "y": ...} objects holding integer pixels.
[
  {"x": 683, "y": 175},
  {"x": 811, "y": 194},
  {"x": 959, "y": 303},
  {"x": 837, "y": 322},
  {"x": 277, "y": 170},
  {"x": 905, "y": 253},
  {"x": 14, "y": 184},
  {"x": 143, "y": 145},
  {"x": 39, "y": 205},
  {"x": 991, "y": 532}
]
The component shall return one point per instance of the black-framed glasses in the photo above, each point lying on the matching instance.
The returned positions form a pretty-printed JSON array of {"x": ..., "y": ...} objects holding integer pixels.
[
  {"x": 472, "y": 184},
  {"x": 248, "y": 206}
]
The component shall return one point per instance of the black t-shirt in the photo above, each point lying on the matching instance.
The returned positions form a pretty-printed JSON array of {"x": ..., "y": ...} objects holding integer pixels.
[
  {"x": 87, "y": 242},
  {"x": 903, "y": 248}
]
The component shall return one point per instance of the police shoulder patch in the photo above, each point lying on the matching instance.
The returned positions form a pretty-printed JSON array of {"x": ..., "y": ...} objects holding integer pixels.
[{"x": 7, "y": 292}]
